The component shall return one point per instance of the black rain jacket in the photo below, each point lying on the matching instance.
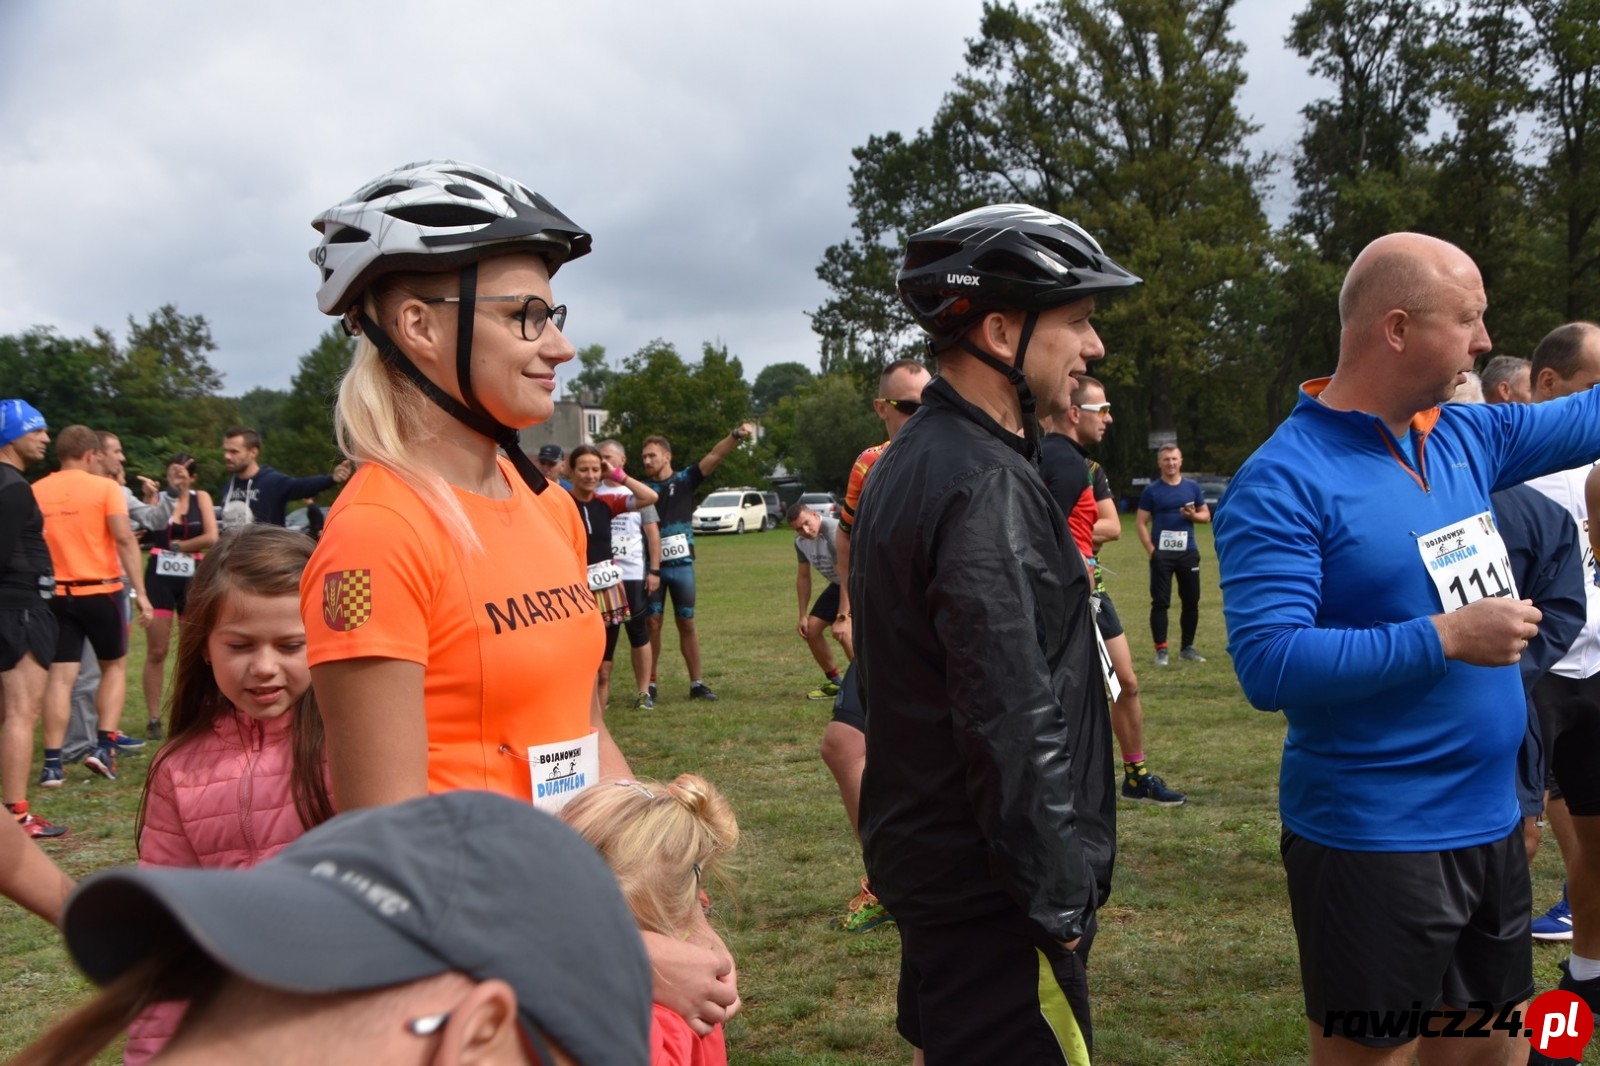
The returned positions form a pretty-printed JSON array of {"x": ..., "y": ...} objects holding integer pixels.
[{"x": 989, "y": 777}]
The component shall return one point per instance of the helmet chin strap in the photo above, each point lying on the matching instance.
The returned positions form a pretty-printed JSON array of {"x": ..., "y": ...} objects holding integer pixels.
[
  {"x": 1013, "y": 373},
  {"x": 474, "y": 417}
]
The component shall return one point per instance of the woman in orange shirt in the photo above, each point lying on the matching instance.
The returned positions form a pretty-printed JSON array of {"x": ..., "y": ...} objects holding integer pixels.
[{"x": 452, "y": 636}]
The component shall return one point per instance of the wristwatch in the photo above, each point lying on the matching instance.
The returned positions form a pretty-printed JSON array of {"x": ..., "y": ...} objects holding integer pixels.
[{"x": 654, "y": 573}]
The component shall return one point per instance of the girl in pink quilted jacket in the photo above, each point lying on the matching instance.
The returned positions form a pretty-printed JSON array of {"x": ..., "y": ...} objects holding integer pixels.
[
  {"x": 662, "y": 842},
  {"x": 242, "y": 773}
]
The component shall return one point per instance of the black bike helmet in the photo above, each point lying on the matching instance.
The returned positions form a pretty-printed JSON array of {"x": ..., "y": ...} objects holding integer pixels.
[
  {"x": 999, "y": 258},
  {"x": 439, "y": 215}
]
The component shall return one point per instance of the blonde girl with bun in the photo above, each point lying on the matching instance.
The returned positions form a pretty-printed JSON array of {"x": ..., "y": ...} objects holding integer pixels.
[{"x": 664, "y": 842}]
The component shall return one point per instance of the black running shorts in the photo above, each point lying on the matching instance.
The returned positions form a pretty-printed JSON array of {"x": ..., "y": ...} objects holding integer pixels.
[
  {"x": 1105, "y": 617},
  {"x": 98, "y": 619},
  {"x": 1569, "y": 722},
  {"x": 23, "y": 631},
  {"x": 1380, "y": 931}
]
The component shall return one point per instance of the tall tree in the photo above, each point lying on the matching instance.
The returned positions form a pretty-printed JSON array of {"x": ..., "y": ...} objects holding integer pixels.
[
  {"x": 777, "y": 381},
  {"x": 1360, "y": 169},
  {"x": 693, "y": 405},
  {"x": 1567, "y": 33},
  {"x": 1121, "y": 114},
  {"x": 590, "y": 384},
  {"x": 304, "y": 443},
  {"x": 1483, "y": 80}
]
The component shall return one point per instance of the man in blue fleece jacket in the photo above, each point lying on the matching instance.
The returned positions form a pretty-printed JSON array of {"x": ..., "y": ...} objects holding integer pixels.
[{"x": 1367, "y": 595}]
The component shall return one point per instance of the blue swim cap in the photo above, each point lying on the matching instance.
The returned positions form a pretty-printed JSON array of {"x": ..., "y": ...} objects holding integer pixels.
[{"x": 18, "y": 418}]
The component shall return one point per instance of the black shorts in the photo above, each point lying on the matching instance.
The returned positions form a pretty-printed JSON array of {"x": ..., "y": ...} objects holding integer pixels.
[
  {"x": 167, "y": 593},
  {"x": 24, "y": 630},
  {"x": 1105, "y": 616},
  {"x": 1569, "y": 721},
  {"x": 98, "y": 618},
  {"x": 1380, "y": 931},
  {"x": 638, "y": 623},
  {"x": 994, "y": 989},
  {"x": 827, "y": 605},
  {"x": 847, "y": 706}
]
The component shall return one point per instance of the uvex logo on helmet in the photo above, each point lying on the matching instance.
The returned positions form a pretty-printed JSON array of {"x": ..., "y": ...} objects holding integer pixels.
[{"x": 961, "y": 279}]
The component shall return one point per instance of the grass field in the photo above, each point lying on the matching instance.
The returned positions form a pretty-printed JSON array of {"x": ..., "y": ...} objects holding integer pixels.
[{"x": 1195, "y": 961}]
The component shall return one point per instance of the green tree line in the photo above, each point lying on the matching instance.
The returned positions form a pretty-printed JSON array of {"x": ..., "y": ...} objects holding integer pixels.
[
  {"x": 1474, "y": 120},
  {"x": 157, "y": 390}
]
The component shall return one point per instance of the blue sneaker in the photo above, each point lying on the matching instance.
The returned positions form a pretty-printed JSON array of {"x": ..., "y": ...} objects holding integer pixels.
[
  {"x": 103, "y": 761},
  {"x": 1555, "y": 923},
  {"x": 125, "y": 743},
  {"x": 51, "y": 777}
]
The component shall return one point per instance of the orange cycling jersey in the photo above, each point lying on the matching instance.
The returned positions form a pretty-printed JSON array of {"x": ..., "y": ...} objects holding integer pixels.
[
  {"x": 858, "y": 478},
  {"x": 508, "y": 635},
  {"x": 75, "y": 505}
]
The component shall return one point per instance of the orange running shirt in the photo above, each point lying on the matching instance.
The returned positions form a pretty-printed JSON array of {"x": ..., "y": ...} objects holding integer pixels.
[
  {"x": 75, "y": 505},
  {"x": 509, "y": 636}
]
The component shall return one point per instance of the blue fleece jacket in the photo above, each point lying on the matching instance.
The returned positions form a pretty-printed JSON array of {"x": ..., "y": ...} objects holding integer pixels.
[{"x": 1328, "y": 604}]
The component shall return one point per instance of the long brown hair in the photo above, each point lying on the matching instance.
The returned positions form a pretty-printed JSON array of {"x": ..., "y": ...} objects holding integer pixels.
[{"x": 263, "y": 560}]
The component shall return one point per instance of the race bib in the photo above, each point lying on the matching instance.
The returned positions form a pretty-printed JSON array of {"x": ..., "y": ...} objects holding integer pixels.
[
  {"x": 175, "y": 564},
  {"x": 1468, "y": 562},
  {"x": 1174, "y": 540},
  {"x": 625, "y": 547},
  {"x": 604, "y": 575},
  {"x": 674, "y": 547},
  {"x": 1107, "y": 673},
  {"x": 563, "y": 769}
]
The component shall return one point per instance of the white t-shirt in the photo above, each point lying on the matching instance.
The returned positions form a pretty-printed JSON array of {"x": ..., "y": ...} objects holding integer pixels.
[{"x": 627, "y": 535}]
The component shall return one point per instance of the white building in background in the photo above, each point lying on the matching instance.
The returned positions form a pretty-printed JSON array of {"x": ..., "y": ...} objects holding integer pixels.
[{"x": 576, "y": 421}]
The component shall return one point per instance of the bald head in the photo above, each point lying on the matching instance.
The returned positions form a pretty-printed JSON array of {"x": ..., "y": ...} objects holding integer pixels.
[{"x": 1400, "y": 271}]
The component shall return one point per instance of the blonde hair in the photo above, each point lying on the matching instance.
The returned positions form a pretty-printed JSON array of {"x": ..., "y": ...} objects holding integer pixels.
[
  {"x": 377, "y": 419},
  {"x": 660, "y": 841}
]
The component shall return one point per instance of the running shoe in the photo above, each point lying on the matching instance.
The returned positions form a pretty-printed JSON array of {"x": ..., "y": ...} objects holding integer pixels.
[
  {"x": 153, "y": 730},
  {"x": 103, "y": 761},
  {"x": 1151, "y": 789},
  {"x": 1555, "y": 923},
  {"x": 644, "y": 701},
  {"x": 652, "y": 691},
  {"x": 862, "y": 913},
  {"x": 1189, "y": 655},
  {"x": 828, "y": 691},
  {"x": 701, "y": 691},
  {"x": 51, "y": 777},
  {"x": 40, "y": 829},
  {"x": 125, "y": 743},
  {"x": 1161, "y": 657}
]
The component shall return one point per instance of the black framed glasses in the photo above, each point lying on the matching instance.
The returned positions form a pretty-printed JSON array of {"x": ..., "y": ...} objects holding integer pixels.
[
  {"x": 905, "y": 407},
  {"x": 534, "y": 314}
]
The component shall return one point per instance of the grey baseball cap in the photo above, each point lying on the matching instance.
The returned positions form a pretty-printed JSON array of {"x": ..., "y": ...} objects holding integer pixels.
[{"x": 471, "y": 882}]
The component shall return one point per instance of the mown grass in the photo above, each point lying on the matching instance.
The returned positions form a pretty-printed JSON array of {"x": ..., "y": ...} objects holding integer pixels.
[{"x": 1195, "y": 962}]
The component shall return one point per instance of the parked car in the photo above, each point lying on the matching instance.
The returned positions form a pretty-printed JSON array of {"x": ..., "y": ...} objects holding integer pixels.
[
  {"x": 821, "y": 502},
  {"x": 731, "y": 511},
  {"x": 774, "y": 510}
]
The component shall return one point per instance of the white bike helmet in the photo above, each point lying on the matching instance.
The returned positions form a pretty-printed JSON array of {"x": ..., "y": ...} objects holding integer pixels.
[
  {"x": 438, "y": 216},
  {"x": 434, "y": 216}
]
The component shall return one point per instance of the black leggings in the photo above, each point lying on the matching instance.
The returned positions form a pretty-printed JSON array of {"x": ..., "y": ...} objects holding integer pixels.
[{"x": 1186, "y": 568}]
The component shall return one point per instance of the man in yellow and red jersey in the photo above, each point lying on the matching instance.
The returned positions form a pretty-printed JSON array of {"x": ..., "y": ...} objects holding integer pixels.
[{"x": 844, "y": 742}]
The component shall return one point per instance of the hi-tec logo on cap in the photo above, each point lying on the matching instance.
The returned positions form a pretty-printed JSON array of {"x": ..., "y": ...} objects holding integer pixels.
[
  {"x": 347, "y": 599},
  {"x": 961, "y": 279},
  {"x": 387, "y": 901}
]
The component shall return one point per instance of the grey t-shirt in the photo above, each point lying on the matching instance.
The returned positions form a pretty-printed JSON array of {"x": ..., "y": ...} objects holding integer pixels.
[{"x": 820, "y": 551}]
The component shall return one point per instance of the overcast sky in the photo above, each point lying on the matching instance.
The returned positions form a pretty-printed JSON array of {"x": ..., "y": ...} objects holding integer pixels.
[{"x": 175, "y": 152}]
